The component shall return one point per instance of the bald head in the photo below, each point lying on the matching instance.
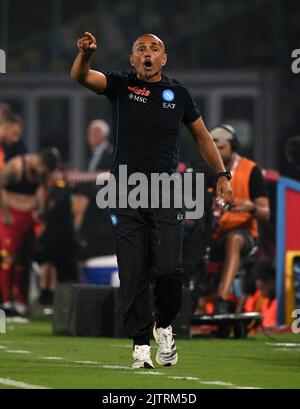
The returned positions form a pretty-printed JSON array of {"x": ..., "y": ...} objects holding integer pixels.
[
  {"x": 148, "y": 57},
  {"x": 149, "y": 38}
]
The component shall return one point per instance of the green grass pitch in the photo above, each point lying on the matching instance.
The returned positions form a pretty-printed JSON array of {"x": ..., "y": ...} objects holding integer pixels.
[{"x": 30, "y": 354}]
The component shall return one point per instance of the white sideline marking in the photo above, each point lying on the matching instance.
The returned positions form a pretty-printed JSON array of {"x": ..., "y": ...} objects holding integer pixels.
[
  {"x": 116, "y": 367},
  {"x": 87, "y": 362},
  {"x": 219, "y": 383},
  {"x": 176, "y": 377},
  {"x": 188, "y": 378},
  {"x": 18, "y": 351},
  {"x": 283, "y": 344},
  {"x": 149, "y": 373},
  {"x": 18, "y": 384},
  {"x": 21, "y": 385}
]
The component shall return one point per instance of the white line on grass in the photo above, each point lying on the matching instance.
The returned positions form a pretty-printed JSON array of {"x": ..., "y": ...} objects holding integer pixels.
[
  {"x": 116, "y": 367},
  {"x": 149, "y": 373},
  {"x": 217, "y": 383},
  {"x": 17, "y": 351},
  {"x": 21, "y": 385},
  {"x": 187, "y": 378},
  {"x": 283, "y": 344},
  {"x": 2, "y": 347},
  {"x": 87, "y": 362}
]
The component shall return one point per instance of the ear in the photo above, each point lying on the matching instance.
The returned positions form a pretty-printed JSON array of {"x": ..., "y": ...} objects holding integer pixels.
[
  {"x": 164, "y": 60},
  {"x": 131, "y": 60}
]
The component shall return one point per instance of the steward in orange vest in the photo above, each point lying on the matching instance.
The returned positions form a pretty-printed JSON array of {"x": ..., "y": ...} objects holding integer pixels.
[
  {"x": 240, "y": 185},
  {"x": 236, "y": 228}
]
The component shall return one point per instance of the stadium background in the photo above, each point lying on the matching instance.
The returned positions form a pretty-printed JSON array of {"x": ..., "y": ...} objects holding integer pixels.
[{"x": 235, "y": 56}]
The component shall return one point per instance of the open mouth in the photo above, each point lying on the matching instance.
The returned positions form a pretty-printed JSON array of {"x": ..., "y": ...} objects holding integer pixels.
[{"x": 148, "y": 64}]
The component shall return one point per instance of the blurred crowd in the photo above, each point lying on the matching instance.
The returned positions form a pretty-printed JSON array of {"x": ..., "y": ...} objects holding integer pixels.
[
  {"x": 49, "y": 223},
  {"x": 44, "y": 41},
  {"x": 48, "y": 214}
]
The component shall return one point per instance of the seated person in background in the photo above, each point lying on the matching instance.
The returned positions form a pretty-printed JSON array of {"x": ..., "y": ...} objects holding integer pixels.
[
  {"x": 19, "y": 181},
  {"x": 263, "y": 299},
  {"x": 237, "y": 228},
  {"x": 101, "y": 150}
]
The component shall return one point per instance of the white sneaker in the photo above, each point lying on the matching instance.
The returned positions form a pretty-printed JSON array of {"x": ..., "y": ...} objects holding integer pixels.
[
  {"x": 21, "y": 308},
  {"x": 167, "y": 353},
  {"x": 7, "y": 305},
  {"x": 142, "y": 357}
]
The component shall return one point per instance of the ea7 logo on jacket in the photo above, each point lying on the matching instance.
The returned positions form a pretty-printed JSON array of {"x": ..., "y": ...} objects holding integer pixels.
[
  {"x": 168, "y": 96},
  {"x": 138, "y": 91},
  {"x": 168, "y": 105}
]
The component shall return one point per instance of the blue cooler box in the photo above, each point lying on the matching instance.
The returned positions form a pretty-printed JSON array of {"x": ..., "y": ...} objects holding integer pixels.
[{"x": 100, "y": 270}]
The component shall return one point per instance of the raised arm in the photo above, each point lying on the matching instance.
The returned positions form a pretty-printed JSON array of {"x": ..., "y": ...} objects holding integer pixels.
[
  {"x": 81, "y": 71},
  {"x": 211, "y": 155}
]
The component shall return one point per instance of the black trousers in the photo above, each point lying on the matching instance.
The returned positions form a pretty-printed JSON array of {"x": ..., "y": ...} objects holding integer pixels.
[{"x": 148, "y": 247}]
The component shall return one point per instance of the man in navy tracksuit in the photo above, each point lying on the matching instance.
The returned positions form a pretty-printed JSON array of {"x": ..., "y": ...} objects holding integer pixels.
[{"x": 148, "y": 112}]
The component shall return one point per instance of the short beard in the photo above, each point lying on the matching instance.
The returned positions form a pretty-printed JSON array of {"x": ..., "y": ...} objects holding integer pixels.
[{"x": 148, "y": 75}]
